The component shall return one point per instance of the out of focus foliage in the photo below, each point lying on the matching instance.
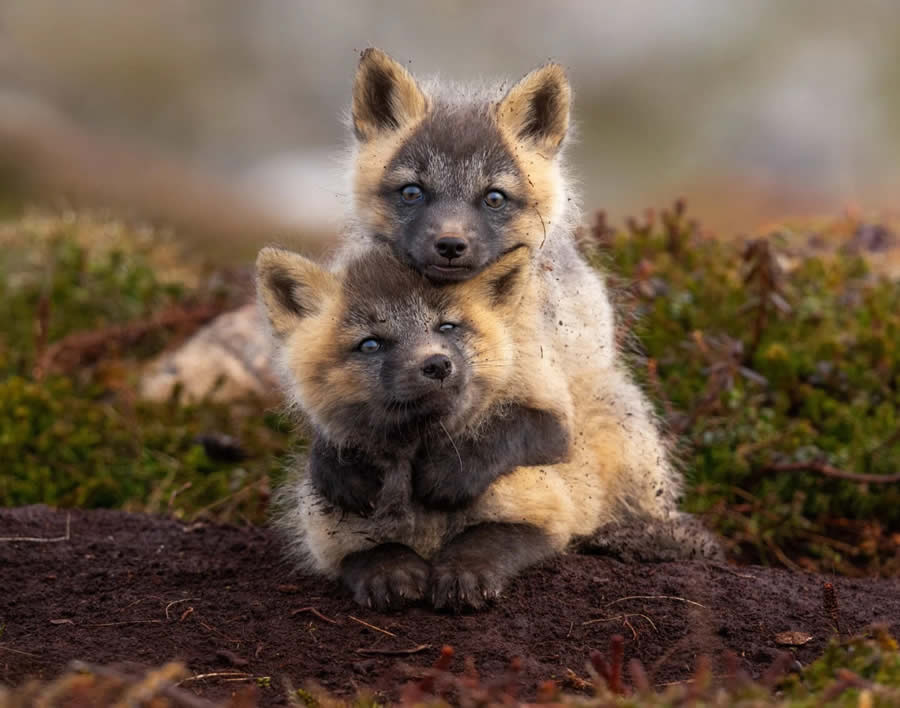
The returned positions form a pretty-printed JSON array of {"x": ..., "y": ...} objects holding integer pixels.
[
  {"x": 774, "y": 361},
  {"x": 857, "y": 672},
  {"x": 79, "y": 436}
]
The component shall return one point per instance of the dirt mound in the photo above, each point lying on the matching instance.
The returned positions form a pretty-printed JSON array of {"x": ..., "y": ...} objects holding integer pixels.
[{"x": 119, "y": 588}]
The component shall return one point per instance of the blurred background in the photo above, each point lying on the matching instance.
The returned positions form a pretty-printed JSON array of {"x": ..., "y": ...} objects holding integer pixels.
[
  {"x": 207, "y": 110},
  {"x": 147, "y": 149}
]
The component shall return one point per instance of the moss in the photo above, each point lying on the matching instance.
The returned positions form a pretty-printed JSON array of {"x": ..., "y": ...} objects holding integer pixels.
[
  {"x": 80, "y": 439},
  {"x": 762, "y": 358},
  {"x": 761, "y": 368}
]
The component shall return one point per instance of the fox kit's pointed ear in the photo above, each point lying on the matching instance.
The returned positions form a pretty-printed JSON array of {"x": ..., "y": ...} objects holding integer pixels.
[
  {"x": 502, "y": 284},
  {"x": 536, "y": 110},
  {"x": 385, "y": 96},
  {"x": 291, "y": 287}
]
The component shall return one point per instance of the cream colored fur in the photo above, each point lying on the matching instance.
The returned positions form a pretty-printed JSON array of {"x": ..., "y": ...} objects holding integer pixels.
[{"x": 620, "y": 467}]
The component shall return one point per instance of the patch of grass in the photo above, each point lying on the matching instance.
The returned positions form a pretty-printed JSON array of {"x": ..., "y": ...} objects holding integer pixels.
[
  {"x": 776, "y": 365},
  {"x": 778, "y": 372},
  {"x": 81, "y": 439}
]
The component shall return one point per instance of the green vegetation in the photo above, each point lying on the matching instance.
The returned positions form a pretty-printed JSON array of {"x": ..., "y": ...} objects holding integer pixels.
[
  {"x": 775, "y": 364},
  {"x": 778, "y": 370},
  {"x": 71, "y": 431}
]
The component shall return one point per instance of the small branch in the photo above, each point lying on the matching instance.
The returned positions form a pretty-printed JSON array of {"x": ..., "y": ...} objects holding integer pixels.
[
  {"x": 32, "y": 539},
  {"x": 829, "y": 471},
  {"x": 156, "y": 681},
  {"x": 315, "y": 612},
  {"x": 621, "y": 617},
  {"x": 19, "y": 651},
  {"x": 175, "y": 602},
  {"x": 782, "y": 557},
  {"x": 726, "y": 569},
  {"x": 371, "y": 626},
  {"x": 656, "y": 597},
  {"x": 240, "y": 675},
  {"x": 395, "y": 652}
]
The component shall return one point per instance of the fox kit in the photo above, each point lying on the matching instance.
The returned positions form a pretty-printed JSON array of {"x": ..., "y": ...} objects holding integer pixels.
[
  {"x": 415, "y": 398},
  {"x": 449, "y": 181},
  {"x": 449, "y": 178}
]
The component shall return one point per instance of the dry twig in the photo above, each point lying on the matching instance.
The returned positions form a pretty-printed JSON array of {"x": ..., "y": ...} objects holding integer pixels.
[
  {"x": 621, "y": 617},
  {"x": 315, "y": 612},
  {"x": 829, "y": 471},
  {"x": 371, "y": 626},
  {"x": 394, "y": 652},
  {"x": 656, "y": 597},
  {"x": 175, "y": 602},
  {"x": 33, "y": 539}
]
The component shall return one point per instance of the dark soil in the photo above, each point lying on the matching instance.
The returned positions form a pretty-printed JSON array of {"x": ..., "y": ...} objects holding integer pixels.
[{"x": 139, "y": 589}]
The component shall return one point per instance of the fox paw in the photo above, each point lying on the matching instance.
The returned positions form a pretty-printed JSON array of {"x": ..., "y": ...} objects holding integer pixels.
[
  {"x": 386, "y": 577},
  {"x": 458, "y": 586}
]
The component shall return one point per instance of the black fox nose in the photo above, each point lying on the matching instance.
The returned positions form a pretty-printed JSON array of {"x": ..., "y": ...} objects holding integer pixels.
[
  {"x": 437, "y": 366},
  {"x": 451, "y": 247}
]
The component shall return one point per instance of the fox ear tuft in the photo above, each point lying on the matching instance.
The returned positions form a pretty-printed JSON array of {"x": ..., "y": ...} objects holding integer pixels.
[
  {"x": 291, "y": 288},
  {"x": 536, "y": 110},
  {"x": 385, "y": 96}
]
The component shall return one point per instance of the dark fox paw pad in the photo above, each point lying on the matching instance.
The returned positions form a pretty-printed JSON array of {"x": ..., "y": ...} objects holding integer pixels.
[
  {"x": 390, "y": 581},
  {"x": 457, "y": 587}
]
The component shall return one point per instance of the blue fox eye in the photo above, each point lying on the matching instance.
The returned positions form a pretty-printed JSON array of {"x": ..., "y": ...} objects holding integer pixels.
[
  {"x": 494, "y": 199},
  {"x": 411, "y": 193},
  {"x": 369, "y": 346},
  {"x": 446, "y": 327}
]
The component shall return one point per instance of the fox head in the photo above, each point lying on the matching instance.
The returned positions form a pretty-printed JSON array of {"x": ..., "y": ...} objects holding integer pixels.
[
  {"x": 453, "y": 181},
  {"x": 375, "y": 353}
]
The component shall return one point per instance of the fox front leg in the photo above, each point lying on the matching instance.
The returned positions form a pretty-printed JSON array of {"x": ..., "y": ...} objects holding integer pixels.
[
  {"x": 449, "y": 473},
  {"x": 476, "y": 566},
  {"x": 385, "y": 577},
  {"x": 344, "y": 477}
]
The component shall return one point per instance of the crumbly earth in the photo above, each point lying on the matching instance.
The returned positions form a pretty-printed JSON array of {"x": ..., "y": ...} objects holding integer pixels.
[{"x": 127, "y": 588}]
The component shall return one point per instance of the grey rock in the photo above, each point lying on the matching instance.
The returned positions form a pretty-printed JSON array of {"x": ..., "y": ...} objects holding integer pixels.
[{"x": 229, "y": 359}]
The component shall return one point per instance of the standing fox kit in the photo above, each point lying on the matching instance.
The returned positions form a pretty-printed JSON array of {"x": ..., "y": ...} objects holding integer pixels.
[{"x": 467, "y": 190}]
